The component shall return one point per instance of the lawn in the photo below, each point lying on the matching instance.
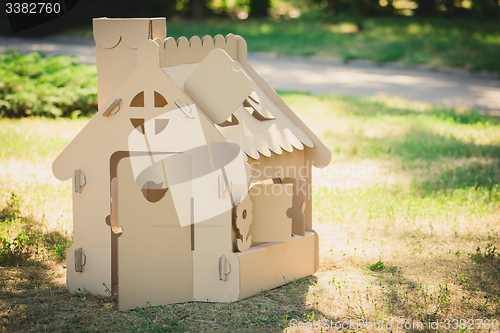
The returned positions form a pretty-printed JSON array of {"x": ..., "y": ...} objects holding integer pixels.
[
  {"x": 408, "y": 215},
  {"x": 464, "y": 43}
]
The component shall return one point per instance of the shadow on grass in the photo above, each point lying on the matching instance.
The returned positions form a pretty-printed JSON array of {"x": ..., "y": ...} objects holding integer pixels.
[
  {"x": 269, "y": 311},
  {"x": 34, "y": 298},
  {"x": 33, "y": 301},
  {"x": 23, "y": 241},
  {"x": 417, "y": 143},
  {"x": 423, "y": 144},
  {"x": 476, "y": 175},
  {"x": 369, "y": 107},
  {"x": 469, "y": 280},
  {"x": 33, "y": 295},
  {"x": 476, "y": 288}
]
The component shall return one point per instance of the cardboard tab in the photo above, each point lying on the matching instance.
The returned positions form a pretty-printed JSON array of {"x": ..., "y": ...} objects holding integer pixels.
[
  {"x": 219, "y": 42},
  {"x": 112, "y": 108},
  {"x": 224, "y": 268},
  {"x": 183, "y": 48},
  {"x": 208, "y": 45},
  {"x": 231, "y": 46},
  {"x": 242, "y": 48},
  {"x": 79, "y": 180},
  {"x": 195, "y": 50},
  {"x": 80, "y": 260}
]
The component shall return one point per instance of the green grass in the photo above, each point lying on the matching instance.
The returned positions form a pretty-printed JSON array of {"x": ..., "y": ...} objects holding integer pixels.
[
  {"x": 469, "y": 44},
  {"x": 35, "y": 139},
  {"x": 392, "y": 128},
  {"x": 408, "y": 220},
  {"x": 417, "y": 238}
]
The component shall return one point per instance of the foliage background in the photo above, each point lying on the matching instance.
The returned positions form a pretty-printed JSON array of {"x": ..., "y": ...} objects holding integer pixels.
[
  {"x": 85, "y": 10},
  {"x": 35, "y": 85}
]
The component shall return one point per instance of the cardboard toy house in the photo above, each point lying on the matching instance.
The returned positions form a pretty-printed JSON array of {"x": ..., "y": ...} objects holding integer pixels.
[{"x": 193, "y": 180}]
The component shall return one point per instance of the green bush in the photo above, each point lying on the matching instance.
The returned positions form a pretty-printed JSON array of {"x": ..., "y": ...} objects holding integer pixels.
[{"x": 37, "y": 85}]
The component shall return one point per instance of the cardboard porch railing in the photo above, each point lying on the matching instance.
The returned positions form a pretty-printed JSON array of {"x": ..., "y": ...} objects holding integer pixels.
[{"x": 193, "y": 180}]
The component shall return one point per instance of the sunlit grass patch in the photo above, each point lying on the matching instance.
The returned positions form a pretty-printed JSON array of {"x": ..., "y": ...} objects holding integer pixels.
[
  {"x": 409, "y": 244},
  {"x": 356, "y": 128},
  {"x": 35, "y": 208},
  {"x": 36, "y": 139},
  {"x": 27, "y": 240},
  {"x": 409, "y": 227},
  {"x": 420, "y": 242}
]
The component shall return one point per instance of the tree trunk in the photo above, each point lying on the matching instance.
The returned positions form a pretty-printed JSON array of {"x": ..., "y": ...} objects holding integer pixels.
[
  {"x": 259, "y": 8},
  {"x": 426, "y": 7},
  {"x": 198, "y": 9},
  {"x": 450, "y": 7}
]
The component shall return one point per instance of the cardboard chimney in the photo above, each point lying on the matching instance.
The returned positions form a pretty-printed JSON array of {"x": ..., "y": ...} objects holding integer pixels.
[{"x": 193, "y": 180}]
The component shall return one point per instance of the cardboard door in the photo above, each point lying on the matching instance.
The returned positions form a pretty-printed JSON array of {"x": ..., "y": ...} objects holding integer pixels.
[{"x": 155, "y": 261}]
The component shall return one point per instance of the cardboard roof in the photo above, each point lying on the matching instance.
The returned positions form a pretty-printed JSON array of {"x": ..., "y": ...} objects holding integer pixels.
[{"x": 262, "y": 125}]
